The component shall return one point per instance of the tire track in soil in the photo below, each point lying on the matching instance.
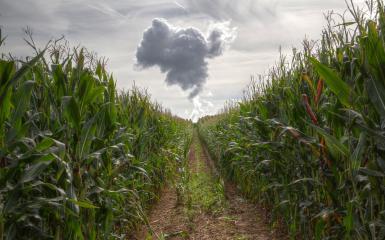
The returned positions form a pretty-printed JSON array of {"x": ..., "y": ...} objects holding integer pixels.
[{"x": 240, "y": 220}]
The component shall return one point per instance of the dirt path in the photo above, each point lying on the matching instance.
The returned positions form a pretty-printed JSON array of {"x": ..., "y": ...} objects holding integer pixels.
[{"x": 213, "y": 211}]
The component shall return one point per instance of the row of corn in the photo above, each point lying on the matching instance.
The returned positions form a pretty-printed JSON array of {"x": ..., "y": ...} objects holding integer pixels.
[
  {"x": 308, "y": 141},
  {"x": 78, "y": 159}
]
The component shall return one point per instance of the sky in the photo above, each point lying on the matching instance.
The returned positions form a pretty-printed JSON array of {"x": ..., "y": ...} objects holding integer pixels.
[{"x": 191, "y": 55}]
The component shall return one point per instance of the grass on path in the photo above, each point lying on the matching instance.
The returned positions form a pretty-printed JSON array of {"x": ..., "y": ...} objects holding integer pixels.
[{"x": 204, "y": 192}]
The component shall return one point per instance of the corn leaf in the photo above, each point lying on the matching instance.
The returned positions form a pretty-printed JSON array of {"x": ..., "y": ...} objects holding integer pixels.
[{"x": 334, "y": 81}]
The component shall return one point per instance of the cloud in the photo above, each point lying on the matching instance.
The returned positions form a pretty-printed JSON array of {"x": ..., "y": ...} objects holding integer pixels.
[
  {"x": 181, "y": 53},
  {"x": 201, "y": 108},
  {"x": 240, "y": 10}
]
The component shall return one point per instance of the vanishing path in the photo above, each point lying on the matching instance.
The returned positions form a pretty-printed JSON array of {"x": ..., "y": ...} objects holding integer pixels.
[{"x": 210, "y": 209}]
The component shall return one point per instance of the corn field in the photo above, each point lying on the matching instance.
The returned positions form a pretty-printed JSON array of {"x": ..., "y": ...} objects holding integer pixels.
[
  {"x": 78, "y": 158},
  {"x": 308, "y": 142}
]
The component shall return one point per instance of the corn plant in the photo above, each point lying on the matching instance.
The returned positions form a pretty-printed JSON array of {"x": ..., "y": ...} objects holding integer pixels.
[
  {"x": 78, "y": 159},
  {"x": 309, "y": 141}
]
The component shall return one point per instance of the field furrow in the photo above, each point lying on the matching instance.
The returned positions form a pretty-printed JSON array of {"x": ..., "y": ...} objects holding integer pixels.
[{"x": 209, "y": 208}]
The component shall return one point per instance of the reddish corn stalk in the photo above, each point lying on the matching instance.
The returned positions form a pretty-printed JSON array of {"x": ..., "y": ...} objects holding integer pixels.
[
  {"x": 320, "y": 86},
  {"x": 309, "y": 111}
]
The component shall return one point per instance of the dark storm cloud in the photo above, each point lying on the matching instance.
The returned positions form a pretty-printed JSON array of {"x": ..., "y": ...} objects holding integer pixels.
[{"x": 181, "y": 53}]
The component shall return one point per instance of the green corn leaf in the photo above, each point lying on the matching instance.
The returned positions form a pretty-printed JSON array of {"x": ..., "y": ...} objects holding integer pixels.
[
  {"x": 333, "y": 144},
  {"x": 348, "y": 220},
  {"x": 6, "y": 71},
  {"x": 23, "y": 70},
  {"x": 60, "y": 80},
  {"x": 303, "y": 180},
  {"x": 37, "y": 168},
  {"x": 72, "y": 112},
  {"x": 87, "y": 134},
  {"x": 23, "y": 96},
  {"x": 359, "y": 151},
  {"x": 44, "y": 144},
  {"x": 7, "y": 81},
  {"x": 373, "y": 49},
  {"x": 371, "y": 172},
  {"x": 334, "y": 81},
  {"x": 82, "y": 204},
  {"x": 376, "y": 93}
]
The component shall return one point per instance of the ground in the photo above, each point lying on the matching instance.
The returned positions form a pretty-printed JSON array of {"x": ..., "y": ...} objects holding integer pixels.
[{"x": 209, "y": 207}]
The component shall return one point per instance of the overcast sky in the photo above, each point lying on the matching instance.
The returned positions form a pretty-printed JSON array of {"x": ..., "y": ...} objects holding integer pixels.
[{"x": 115, "y": 28}]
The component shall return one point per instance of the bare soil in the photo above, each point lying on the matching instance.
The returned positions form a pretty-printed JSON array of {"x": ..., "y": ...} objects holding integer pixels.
[{"x": 239, "y": 220}]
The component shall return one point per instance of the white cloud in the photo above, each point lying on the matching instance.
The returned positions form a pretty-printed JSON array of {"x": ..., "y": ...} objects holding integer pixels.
[{"x": 201, "y": 108}]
